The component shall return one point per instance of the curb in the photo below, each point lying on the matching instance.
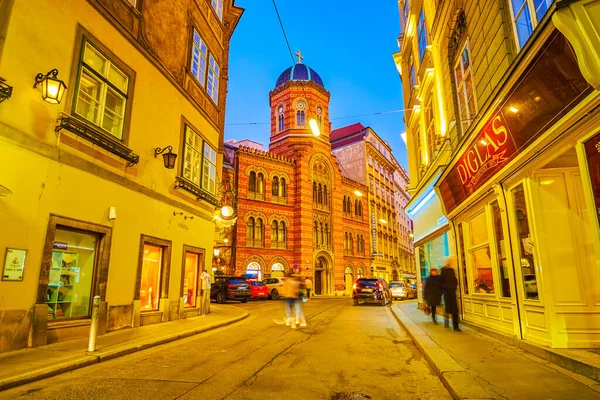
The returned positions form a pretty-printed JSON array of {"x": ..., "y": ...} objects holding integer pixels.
[
  {"x": 455, "y": 378},
  {"x": 87, "y": 359}
]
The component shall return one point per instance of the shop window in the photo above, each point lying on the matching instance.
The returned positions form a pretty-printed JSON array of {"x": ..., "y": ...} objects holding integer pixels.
[
  {"x": 479, "y": 258},
  {"x": 463, "y": 263},
  {"x": 102, "y": 91},
  {"x": 192, "y": 265},
  {"x": 501, "y": 250},
  {"x": 71, "y": 276},
  {"x": 525, "y": 242},
  {"x": 150, "y": 285}
]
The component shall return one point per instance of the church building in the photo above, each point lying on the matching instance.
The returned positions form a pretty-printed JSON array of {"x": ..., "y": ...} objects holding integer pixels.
[{"x": 296, "y": 213}]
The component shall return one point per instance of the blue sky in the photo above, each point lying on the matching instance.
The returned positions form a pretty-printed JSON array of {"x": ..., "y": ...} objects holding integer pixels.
[{"x": 349, "y": 43}]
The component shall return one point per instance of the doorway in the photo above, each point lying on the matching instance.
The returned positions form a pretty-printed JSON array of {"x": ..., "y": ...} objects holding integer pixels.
[{"x": 348, "y": 281}]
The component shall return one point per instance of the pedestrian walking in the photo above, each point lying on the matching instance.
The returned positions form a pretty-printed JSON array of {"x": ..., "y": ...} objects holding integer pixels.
[
  {"x": 449, "y": 286},
  {"x": 290, "y": 292},
  {"x": 433, "y": 291},
  {"x": 205, "y": 298},
  {"x": 309, "y": 287}
]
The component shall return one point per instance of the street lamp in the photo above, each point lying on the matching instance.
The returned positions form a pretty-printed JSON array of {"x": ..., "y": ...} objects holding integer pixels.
[
  {"x": 314, "y": 126},
  {"x": 53, "y": 88}
]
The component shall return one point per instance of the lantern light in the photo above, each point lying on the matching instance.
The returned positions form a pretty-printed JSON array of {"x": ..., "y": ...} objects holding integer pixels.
[
  {"x": 168, "y": 158},
  {"x": 53, "y": 88},
  {"x": 226, "y": 211},
  {"x": 314, "y": 127}
]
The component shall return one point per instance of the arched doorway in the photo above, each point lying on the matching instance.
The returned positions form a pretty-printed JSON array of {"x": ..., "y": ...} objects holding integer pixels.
[
  {"x": 348, "y": 280},
  {"x": 277, "y": 270},
  {"x": 320, "y": 268},
  {"x": 360, "y": 273},
  {"x": 253, "y": 271}
]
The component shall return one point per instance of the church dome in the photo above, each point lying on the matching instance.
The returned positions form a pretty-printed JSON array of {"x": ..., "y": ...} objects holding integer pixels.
[{"x": 299, "y": 72}]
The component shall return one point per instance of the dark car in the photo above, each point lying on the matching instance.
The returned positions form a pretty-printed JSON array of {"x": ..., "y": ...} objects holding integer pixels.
[
  {"x": 230, "y": 288},
  {"x": 371, "y": 290}
]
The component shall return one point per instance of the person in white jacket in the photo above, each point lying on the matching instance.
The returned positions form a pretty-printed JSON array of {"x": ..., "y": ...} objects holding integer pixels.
[{"x": 205, "y": 298}]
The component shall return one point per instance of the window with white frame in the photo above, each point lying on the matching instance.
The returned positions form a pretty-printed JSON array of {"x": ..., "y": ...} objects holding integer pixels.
[
  {"x": 199, "y": 161},
  {"x": 218, "y": 7},
  {"x": 526, "y": 15},
  {"x": 464, "y": 88},
  {"x": 199, "y": 56},
  {"x": 212, "y": 81},
  {"x": 102, "y": 91},
  {"x": 431, "y": 139},
  {"x": 422, "y": 35}
]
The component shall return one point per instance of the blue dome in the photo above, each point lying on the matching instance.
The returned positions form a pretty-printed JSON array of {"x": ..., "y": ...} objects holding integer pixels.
[{"x": 299, "y": 72}]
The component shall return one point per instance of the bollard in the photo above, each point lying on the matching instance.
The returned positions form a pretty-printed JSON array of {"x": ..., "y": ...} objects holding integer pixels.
[{"x": 94, "y": 326}]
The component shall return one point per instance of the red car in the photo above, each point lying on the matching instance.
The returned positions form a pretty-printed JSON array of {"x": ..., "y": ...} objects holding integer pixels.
[{"x": 259, "y": 291}]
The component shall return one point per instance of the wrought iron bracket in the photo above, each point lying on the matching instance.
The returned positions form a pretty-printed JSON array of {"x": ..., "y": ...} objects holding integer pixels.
[
  {"x": 5, "y": 90},
  {"x": 98, "y": 138}
]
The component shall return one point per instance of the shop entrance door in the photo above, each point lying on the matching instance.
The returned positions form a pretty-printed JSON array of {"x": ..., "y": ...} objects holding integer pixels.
[{"x": 318, "y": 286}]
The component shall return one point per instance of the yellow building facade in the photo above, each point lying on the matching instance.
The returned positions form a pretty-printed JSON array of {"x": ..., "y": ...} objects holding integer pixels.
[
  {"x": 519, "y": 187},
  {"x": 89, "y": 204}
]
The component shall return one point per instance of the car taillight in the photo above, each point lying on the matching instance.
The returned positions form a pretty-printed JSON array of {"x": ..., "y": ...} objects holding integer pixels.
[{"x": 231, "y": 286}]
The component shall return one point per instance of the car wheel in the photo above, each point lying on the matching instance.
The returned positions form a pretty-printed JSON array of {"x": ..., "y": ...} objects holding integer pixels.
[
  {"x": 274, "y": 294},
  {"x": 221, "y": 298},
  {"x": 244, "y": 300}
]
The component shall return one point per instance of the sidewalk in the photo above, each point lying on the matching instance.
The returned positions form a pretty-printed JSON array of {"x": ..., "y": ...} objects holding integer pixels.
[
  {"x": 475, "y": 366},
  {"x": 24, "y": 366}
]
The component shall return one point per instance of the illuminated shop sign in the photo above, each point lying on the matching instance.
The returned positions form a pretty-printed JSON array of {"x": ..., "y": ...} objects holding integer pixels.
[{"x": 547, "y": 90}]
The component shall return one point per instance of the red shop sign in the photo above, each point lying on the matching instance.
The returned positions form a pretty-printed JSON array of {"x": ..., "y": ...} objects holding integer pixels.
[{"x": 549, "y": 88}]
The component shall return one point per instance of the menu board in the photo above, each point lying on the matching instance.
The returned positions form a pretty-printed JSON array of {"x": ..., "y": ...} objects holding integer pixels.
[{"x": 14, "y": 264}]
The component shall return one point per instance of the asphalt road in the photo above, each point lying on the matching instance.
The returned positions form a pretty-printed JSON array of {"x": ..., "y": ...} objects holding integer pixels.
[{"x": 344, "y": 349}]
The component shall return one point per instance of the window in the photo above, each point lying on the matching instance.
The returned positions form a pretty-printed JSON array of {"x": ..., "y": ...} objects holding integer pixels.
[
  {"x": 500, "y": 250},
  {"x": 370, "y": 160},
  {"x": 314, "y": 192},
  {"x": 282, "y": 188},
  {"x": 254, "y": 232},
  {"x": 464, "y": 88},
  {"x": 300, "y": 116},
  {"x": 527, "y": 14},
  {"x": 280, "y": 118},
  {"x": 250, "y": 230},
  {"x": 199, "y": 159},
  {"x": 325, "y": 195},
  {"x": 316, "y": 234},
  {"x": 260, "y": 185},
  {"x": 191, "y": 271},
  {"x": 212, "y": 82},
  {"x": 274, "y": 234},
  {"x": 320, "y": 194},
  {"x": 525, "y": 243},
  {"x": 218, "y": 7},
  {"x": 422, "y": 34},
  {"x": 431, "y": 138},
  {"x": 102, "y": 91},
  {"x": 282, "y": 233},
  {"x": 411, "y": 69},
  {"x": 71, "y": 276},
  {"x": 479, "y": 257},
  {"x": 278, "y": 234},
  {"x": 199, "y": 55},
  {"x": 258, "y": 232},
  {"x": 406, "y": 9},
  {"x": 252, "y": 182},
  {"x": 326, "y": 235},
  {"x": 275, "y": 187},
  {"x": 320, "y": 118},
  {"x": 153, "y": 272}
]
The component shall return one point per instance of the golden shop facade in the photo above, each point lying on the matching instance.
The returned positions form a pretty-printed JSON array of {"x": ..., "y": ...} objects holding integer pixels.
[{"x": 522, "y": 195}]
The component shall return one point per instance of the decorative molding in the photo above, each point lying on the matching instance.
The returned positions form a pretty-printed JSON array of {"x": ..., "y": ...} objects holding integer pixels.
[
  {"x": 255, "y": 258},
  {"x": 283, "y": 261},
  {"x": 98, "y": 138},
  {"x": 279, "y": 217},
  {"x": 255, "y": 214},
  {"x": 458, "y": 33},
  {"x": 258, "y": 170},
  {"x": 279, "y": 174}
]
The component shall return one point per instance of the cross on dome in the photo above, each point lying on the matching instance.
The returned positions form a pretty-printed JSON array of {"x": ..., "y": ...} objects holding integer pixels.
[{"x": 300, "y": 58}]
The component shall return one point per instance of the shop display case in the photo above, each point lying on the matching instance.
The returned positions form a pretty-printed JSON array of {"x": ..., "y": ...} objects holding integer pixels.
[{"x": 63, "y": 272}]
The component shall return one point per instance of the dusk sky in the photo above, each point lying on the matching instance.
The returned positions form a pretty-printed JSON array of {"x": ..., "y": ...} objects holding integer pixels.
[{"x": 349, "y": 43}]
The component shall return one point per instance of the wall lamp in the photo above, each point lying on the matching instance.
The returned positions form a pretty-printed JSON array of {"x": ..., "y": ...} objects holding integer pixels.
[
  {"x": 168, "y": 158},
  {"x": 5, "y": 90},
  {"x": 53, "y": 88}
]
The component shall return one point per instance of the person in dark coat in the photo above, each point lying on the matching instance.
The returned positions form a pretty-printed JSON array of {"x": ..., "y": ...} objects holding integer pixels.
[
  {"x": 433, "y": 291},
  {"x": 449, "y": 286}
]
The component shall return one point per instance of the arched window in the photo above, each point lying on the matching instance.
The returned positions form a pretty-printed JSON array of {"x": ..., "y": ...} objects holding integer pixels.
[
  {"x": 281, "y": 237},
  {"x": 250, "y": 229},
  {"x": 325, "y": 195},
  {"x": 275, "y": 186},
  {"x": 300, "y": 116},
  {"x": 322, "y": 233},
  {"x": 274, "y": 234},
  {"x": 280, "y": 118},
  {"x": 282, "y": 188},
  {"x": 316, "y": 233},
  {"x": 320, "y": 198},
  {"x": 252, "y": 182},
  {"x": 326, "y": 235},
  {"x": 360, "y": 208},
  {"x": 351, "y": 243},
  {"x": 261, "y": 183},
  {"x": 344, "y": 205},
  {"x": 314, "y": 192},
  {"x": 320, "y": 118},
  {"x": 356, "y": 207},
  {"x": 345, "y": 240},
  {"x": 258, "y": 231}
]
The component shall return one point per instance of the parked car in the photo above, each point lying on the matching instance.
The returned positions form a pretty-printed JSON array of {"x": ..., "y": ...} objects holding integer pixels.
[
  {"x": 259, "y": 290},
  {"x": 230, "y": 288},
  {"x": 370, "y": 290},
  {"x": 274, "y": 285},
  {"x": 402, "y": 290}
]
